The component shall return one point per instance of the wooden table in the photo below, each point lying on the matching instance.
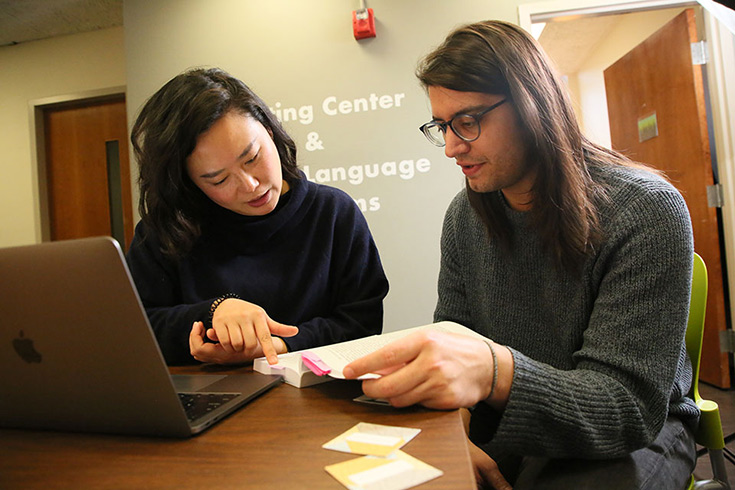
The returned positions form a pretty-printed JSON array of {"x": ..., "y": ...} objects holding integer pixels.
[{"x": 273, "y": 442}]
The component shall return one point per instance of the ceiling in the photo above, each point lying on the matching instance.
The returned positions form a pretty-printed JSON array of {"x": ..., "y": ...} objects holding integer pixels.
[
  {"x": 31, "y": 20},
  {"x": 570, "y": 42}
]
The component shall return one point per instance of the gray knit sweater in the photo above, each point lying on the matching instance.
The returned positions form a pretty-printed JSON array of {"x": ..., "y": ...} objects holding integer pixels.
[{"x": 600, "y": 360}]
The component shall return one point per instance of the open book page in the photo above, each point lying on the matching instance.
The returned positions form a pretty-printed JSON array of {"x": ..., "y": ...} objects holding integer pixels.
[{"x": 337, "y": 356}]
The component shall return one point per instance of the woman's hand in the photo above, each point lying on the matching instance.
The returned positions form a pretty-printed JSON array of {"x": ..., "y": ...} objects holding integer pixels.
[{"x": 241, "y": 332}]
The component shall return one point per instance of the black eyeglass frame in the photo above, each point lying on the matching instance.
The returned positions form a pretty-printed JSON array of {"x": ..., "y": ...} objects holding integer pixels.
[{"x": 443, "y": 125}]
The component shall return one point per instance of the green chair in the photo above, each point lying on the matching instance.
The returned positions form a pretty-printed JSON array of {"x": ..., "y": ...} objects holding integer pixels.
[{"x": 709, "y": 433}]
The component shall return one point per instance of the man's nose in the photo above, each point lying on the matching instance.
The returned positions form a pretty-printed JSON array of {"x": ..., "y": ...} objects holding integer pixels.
[{"x": 454, "y": 145}]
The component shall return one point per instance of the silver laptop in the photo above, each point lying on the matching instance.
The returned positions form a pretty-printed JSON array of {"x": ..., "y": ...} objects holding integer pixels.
[{"x": 77, "y": 352}]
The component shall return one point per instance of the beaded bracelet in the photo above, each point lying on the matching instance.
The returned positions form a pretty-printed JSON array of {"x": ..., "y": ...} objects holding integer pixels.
[{"x": 216, "y": 303}]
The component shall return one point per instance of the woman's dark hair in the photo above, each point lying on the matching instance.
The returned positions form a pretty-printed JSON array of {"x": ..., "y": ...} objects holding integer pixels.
[
  {"x": 496, "y": 57},
  {"x": 165, "y": 134}
]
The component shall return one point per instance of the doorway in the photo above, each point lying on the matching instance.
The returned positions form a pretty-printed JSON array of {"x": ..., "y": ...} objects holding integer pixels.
[
  {"x": 662, "y": 121},
  {"x": 716, "y": 368},
  {"x": 84, "y": 172}
]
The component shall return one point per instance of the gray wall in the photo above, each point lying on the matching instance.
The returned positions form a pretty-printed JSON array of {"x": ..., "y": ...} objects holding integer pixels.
[{"x": 302, "y": 55}]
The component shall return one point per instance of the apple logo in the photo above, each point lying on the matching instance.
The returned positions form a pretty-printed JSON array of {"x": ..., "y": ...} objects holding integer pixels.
[{"x": 24, "y": 348}]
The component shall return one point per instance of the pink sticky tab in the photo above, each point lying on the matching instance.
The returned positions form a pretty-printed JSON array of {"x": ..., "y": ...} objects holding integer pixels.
[{"x": 315, "y": 364}]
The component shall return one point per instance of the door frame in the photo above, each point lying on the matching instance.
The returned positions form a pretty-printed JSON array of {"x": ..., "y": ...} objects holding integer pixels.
[
  {"x": 36, "y": 109},
  {"x": 558, "y": 9},
  {"x": 721, "y": 93}
]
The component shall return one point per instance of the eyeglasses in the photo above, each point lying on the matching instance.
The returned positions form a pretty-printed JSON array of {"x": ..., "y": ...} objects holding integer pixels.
[{"x": 465, "y": 126}]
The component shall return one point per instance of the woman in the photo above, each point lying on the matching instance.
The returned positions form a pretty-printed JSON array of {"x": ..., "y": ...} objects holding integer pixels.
[{"x": 235, "y": 240}]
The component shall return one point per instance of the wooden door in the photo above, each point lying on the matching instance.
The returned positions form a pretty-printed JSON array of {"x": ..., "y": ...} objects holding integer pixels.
[
  {"x": 88, "y": 174},
  {"x": 657, "y": 110}
]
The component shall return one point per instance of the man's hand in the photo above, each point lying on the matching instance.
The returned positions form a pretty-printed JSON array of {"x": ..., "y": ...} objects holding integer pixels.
[
  {"x": 436, "y": 369},
  {"x": 487, "y": 473}
]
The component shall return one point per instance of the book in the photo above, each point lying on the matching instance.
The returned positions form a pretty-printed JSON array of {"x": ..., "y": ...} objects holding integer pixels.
[{"x": 322, "y": 364}]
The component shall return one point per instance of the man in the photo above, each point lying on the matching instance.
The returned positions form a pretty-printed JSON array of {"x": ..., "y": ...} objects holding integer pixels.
[{"x": 577, "y": 264}]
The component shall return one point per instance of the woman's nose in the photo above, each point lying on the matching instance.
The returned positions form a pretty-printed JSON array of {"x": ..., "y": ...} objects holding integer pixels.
[{"x": 248, "y": 182}]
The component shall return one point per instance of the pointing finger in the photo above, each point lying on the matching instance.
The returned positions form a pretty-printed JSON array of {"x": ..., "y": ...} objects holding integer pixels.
[{"x": 266, "y": 341}]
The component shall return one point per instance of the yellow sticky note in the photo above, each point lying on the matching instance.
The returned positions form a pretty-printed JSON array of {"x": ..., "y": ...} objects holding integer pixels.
[
  {"x": 399, "y": 471},
  {"x": 375, "y": 444},
  {"x": 373, "y": 439}
]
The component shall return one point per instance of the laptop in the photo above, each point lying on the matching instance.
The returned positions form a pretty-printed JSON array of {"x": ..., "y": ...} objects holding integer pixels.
[{"x": 77, "y": 352}]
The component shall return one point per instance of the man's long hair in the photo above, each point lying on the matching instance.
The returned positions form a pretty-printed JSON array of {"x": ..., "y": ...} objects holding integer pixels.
[
  {"x": 499, "y": 58},
  {"x": 165, "y": 134}
]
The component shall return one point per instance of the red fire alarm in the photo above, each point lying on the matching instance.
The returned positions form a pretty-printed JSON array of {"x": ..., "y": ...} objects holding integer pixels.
[{"x": 363, "y": 23}]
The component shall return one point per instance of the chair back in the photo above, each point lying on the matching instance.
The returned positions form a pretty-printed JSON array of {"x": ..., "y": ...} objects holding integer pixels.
[{"x": 695, "y": 327}]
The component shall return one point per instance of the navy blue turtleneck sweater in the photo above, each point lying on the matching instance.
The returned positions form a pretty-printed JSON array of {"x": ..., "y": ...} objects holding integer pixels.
[{"x": 312, "y": 263}]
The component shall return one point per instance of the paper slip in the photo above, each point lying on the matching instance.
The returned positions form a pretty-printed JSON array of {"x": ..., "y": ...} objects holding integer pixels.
[
  {"x": 398, "y": 471},
  {"x": 371, "y": 401},
  {"x": 372, "y": 439}
]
